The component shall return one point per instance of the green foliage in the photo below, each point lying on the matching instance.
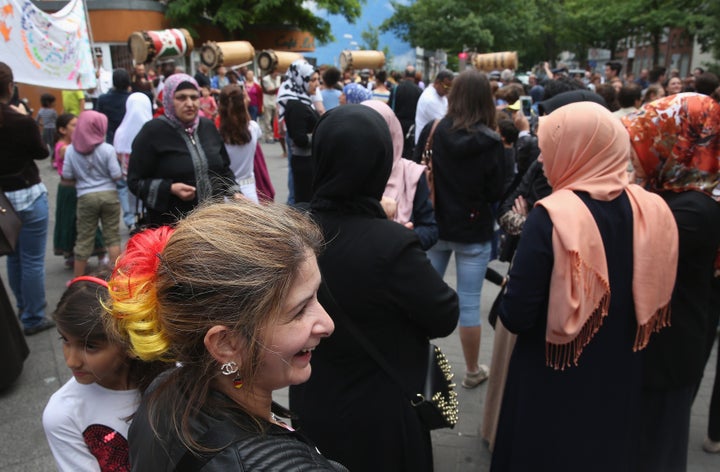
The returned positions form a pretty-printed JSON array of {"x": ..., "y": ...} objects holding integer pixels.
[
  {"x": 235, "y": 15},
  {"x": 371, "y": 38},
  {"x": 540, "y": 29}
]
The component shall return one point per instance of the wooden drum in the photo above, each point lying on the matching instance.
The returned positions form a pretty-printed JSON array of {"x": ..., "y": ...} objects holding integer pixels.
[
  {"x": 496, "y": 60},
  {"x": 230, "y": 53},
  {"x": 270, "y": 60},
  {"x": 362, "y": 59},
  {"x": 146, "y": 46}
]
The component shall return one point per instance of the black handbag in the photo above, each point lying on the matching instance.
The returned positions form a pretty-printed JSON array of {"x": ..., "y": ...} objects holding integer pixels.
[
  {"x": 437, "y": 405},
  {"x": 10, "y": 225}
]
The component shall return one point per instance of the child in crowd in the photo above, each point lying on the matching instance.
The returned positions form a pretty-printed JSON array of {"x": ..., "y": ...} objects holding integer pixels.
[
  {"x": 65, "y": 232},
  {"x": 93, "y": 165},
  {"x": 86, "y": 421},
  {"x": 208, "y": 105},
  {"x": 46, "y": 118}
]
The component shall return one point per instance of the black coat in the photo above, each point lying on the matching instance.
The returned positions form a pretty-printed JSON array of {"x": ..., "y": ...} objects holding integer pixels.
[
  {"x": 160, "y": 157},
  {"x": 245, "y": 443},
  {"x": 382, "y": 281},
  {"x": 469, "y": 173}
]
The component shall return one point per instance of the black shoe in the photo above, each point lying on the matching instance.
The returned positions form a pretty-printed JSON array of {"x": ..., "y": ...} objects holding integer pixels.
[{"x": 44, "y": 325}]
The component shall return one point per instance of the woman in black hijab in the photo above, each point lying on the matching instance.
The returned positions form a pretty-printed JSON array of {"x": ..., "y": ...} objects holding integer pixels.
[{"x": 381, "y": 282}]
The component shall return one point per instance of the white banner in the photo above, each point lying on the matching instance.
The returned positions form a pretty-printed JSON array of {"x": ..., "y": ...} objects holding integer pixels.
[{"x": 50, "y": 50}]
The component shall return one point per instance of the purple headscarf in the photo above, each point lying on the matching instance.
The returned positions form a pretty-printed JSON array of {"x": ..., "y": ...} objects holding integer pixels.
[
  {"x": 89, "y": 132},
  {"x": 170, "y": 87}
]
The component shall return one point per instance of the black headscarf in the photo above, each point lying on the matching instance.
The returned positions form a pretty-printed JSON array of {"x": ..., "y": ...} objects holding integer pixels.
[
  {"x": 352, "y": 156},
  {"x": 550, "y": 105}
]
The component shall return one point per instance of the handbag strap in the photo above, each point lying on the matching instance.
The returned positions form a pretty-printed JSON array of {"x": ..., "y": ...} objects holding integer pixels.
[
  {"x": 367, "y": 345},
  {"x": 429, "y": 141}
]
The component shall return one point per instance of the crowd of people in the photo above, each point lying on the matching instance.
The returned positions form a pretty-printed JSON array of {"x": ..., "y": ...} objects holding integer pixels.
[{"x": 605, "y": 193}]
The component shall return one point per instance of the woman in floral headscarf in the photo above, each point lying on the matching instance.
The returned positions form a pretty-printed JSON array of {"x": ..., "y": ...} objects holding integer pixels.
[
  {"x": 355, "y": 93},
  {"x": 179, "y": 159},
  {"x": 295, "y": 109},
  {"x": 676, "y": 144}
]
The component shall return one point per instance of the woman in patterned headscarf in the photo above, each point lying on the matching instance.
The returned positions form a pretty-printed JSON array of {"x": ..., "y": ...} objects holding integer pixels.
[
  {"x": 676, "y": 144},
  {"x": 354, "y": 93},
  {"x": 179, "y": 159},
  {"x": 295, "y": 108}
]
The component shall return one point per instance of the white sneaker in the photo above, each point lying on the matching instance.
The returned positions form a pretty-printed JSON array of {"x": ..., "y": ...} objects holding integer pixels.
[{"x": 713, "y": 447}]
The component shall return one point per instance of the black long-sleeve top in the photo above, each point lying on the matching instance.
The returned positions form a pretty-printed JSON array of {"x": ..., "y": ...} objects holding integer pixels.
[
  {"x": 160, "y": 157},
  {"x": 469, "y": 172},
  {"x": 22, "y": 145}
]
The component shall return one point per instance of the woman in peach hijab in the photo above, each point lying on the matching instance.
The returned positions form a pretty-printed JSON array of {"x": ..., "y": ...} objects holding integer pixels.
[
  {"x": 584, "y": 295},
  {"x": 676, "y": 144}
]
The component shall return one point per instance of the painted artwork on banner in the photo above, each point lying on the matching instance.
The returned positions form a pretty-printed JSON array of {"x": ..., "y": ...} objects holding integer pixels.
[{"x": 51, "y": 50}]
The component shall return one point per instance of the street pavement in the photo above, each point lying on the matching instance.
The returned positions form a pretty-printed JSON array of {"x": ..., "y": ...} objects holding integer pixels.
[{"x": 22, "y": 442}]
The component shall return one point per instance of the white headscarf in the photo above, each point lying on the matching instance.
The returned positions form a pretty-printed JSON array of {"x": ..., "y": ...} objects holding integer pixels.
[
  {"x": 138, "y": 111},
  {"x": 295, "y": 86}
]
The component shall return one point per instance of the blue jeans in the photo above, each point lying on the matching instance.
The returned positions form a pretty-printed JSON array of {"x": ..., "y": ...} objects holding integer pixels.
[
  {"x": 471, "y": 260},
  {"x": 26, "y": 266},
  {"x": 124, "y": 196}
]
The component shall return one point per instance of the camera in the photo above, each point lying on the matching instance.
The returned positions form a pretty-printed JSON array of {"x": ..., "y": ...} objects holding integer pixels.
[{"x": 526, "y": 102}]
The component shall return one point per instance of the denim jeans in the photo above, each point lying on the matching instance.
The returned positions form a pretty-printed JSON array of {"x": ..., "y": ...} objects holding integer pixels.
[
  {"x": 26, "y": 266},
  {"x": 128, "y": 211},
  {"x": 471, "y": 260}
]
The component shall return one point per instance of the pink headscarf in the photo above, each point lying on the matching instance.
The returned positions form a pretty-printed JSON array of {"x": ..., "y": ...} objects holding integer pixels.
[
  {"x": 585, "y": 148},
  {"x": 90, "y": 131},
  {"x": 403, "y": 181}
]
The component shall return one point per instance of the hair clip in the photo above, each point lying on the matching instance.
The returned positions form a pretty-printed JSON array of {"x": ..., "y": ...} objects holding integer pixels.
[{"x": 89, "y": 278}]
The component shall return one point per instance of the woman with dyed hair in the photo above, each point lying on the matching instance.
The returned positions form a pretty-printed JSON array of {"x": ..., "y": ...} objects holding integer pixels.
[
  {"x": 676, "y": 153},
  {"x": 179, "y": 160},
  {"x": 240, "y": 318},
  {"x": 590, "y": 283}
]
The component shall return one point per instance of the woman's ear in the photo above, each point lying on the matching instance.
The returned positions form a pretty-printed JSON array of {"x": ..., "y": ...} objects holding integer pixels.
[{"x": 223, "y": 344}]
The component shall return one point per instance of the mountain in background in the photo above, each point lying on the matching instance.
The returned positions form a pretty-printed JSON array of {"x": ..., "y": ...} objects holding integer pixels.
[{"x": 348, "y": 36}]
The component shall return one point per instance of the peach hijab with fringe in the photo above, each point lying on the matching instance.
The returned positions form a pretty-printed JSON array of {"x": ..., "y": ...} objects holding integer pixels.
[{"x": 585, "y": 148}]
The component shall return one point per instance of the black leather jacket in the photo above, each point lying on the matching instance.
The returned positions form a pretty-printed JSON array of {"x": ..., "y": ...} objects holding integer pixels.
[{"x": 244, "y": 445}]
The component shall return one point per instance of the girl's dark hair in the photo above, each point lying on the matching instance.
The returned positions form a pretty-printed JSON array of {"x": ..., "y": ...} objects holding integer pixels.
[
  {"x": 62, "y": 122},
  {"x": 6, "y": 78},
  {"x": 80, "y": 314},
  {"x": 470, "y": 101},
  {"x": 47, "y": 99},
  {"x": 234, "y": 115},
  {"x": 381, "y": 76}
]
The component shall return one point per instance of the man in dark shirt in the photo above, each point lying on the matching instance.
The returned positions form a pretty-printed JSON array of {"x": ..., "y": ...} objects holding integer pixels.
[
  {"x": 112, "y": 104},
  {"x": 201, "y": 76},
  {"x": 403, "y": 100}
]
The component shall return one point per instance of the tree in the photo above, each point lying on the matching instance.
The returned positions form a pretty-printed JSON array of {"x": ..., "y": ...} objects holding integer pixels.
[
  {"x": 371, "y": 38},
  {"x": 235, "y": 15},
  {"x": 458, "y": 25},
  {"x": 708, "y": 33}
]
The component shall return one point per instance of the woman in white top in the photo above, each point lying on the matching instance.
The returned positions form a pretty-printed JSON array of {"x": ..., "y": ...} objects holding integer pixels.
[{"x": 241, "y": 135}]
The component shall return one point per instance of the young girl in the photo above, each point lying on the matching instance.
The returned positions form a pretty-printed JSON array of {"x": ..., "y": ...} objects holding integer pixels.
[
  {"x": 46, "y": 118},
  {"x": 241, "y": 135},
  {"x": 208, "y": 105},
  {"x": 93, "y": 165},
  {"x": 65, "y": 232},
  {"x": 86, "y": 422}
]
